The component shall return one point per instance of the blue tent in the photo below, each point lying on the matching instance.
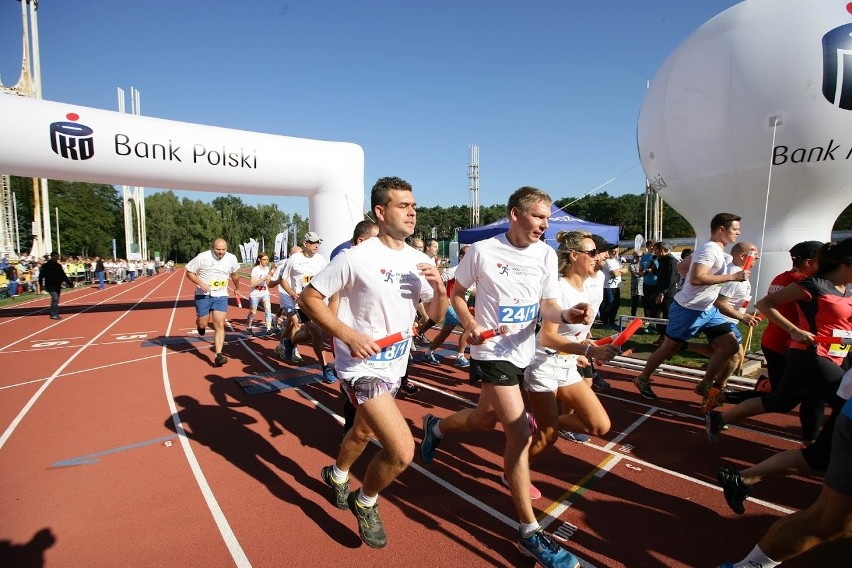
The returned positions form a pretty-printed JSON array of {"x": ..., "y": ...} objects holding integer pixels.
[{"x": 559, "y": 220}]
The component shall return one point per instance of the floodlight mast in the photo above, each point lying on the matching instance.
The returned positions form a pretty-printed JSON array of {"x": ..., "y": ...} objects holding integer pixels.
[{"x": 473, "y": 176}]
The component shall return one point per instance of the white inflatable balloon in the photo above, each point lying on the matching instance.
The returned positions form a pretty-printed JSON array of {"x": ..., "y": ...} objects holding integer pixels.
[
  {"x": 757, "y": 99},
  {"x": 64, "y": 141}
]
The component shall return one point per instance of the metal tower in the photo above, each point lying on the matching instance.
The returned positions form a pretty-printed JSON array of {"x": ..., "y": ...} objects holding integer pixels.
[
  {"x": 29, "y": 85},
  {"x": 473, "y": 176},
  {"x": 135, "y": 234}
]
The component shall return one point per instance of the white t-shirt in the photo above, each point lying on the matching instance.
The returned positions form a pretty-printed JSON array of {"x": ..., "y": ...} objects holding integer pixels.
[
  {"x": 213, "y": 272},
  {"x": 737, "y": 293},
  {"x": 379, "y": 288},
  {"x": 259, "y": 274},
  {"x": 569, "y": 296},
  {"x": 510, "y": 284},
  {"x": 594, "y": 288},
  {"x": 300, "y": 269},
  {"x": 702, "y": 297},
  {"x": 613, "y": 265}
]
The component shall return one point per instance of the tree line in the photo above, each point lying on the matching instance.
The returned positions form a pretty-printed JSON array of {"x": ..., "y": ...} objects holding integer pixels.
[{"x": 91, "y": 216}]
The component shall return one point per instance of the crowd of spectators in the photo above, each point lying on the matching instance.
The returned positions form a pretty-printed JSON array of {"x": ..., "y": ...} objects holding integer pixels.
[{"x": 20, "y": 276}]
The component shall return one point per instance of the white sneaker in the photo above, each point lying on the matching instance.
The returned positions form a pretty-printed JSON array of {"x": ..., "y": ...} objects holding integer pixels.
[{"x": 297, "y": 357}]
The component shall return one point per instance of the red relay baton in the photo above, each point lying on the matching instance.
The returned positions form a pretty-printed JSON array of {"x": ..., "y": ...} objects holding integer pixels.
[
  {"x": 394, "y": 338},
  {"x": 829, "y": 340},
  {"x": 619, "y": 339},
  {"x": 749, "y": 261},
  {"x": 489, "y": 333}
]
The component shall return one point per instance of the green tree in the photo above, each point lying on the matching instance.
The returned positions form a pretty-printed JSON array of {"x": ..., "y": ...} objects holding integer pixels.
[
  {"x": 163, "y": 219},
  {"x": 91, "y": 217}
]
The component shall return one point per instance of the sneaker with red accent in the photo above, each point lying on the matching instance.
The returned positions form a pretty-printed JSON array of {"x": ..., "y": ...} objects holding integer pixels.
[
  {"x": 710, "y": 400},
  {"x": 534, "y": 492}
]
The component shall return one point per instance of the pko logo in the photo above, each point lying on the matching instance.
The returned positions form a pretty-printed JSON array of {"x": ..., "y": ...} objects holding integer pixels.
[
  {"x": 72, "y": 140},
  {"x": 837, "y": 66}
]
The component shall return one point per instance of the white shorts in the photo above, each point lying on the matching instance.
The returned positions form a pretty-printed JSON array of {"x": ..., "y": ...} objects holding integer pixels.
[{"x": 548, "y": 373}]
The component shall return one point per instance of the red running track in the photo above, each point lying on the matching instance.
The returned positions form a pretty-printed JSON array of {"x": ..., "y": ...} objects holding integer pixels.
[{"x": 121, "y": 445}]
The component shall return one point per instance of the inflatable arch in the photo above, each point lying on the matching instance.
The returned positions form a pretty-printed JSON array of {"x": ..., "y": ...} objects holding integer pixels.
[{"x": 64, "y": 141}]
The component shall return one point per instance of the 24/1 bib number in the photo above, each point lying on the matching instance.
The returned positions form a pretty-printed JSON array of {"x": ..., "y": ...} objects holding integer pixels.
[{"x": 518, "y": 314}]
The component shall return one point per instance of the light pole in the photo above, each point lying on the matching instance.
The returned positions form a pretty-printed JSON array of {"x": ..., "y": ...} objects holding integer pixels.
[
  {"x": 17, "y": 232},
  {"x": 58, "y": 246}
]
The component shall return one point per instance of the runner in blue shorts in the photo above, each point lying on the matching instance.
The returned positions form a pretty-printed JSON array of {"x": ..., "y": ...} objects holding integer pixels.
[{"x": 693, "y": 310}]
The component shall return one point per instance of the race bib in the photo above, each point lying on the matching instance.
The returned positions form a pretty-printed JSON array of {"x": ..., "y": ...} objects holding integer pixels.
[
  {"x": 217, "y": 285},
  {"x": 306, "y": 279},
  {"x": 387, "y": 356},
  {"x": 517, "y": 313},
  {"x": 839, "y": 349}
]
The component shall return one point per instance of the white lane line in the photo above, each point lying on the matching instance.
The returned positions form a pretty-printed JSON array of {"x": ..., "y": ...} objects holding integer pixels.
[
  {"x": 74, "y": 315},
  {"x": 225, "y": 530},
  {"x": 650, "y": 412},
  {"x": 17, "y": 420}
]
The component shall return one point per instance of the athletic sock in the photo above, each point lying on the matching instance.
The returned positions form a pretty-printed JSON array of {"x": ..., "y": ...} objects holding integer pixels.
[
  {"x": 757, "y": 558},
  {"x": 339, "y": 475},
  {"x": 527, "y": 529},
  {"x": 365, "y": 501},
  {"x": 436, "y": 429}
]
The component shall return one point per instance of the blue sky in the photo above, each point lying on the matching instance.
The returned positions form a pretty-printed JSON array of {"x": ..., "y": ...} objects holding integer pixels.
[{"x": 549, "y": 90}]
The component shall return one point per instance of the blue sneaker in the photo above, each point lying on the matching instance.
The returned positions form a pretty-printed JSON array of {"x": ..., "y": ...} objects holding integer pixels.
[
  {"x": 462, "y": 362},
  {"x": 430, "y": 440},
  {"x": 431, "y": 359},
  {"x": 328, "y": 374},
  {"x": 543, "y": 548}
]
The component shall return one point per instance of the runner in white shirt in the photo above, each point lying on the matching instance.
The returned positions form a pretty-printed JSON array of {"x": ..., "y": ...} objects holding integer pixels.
[
  {"x": 297, "y": 274},
  {"x": 693, "y": 309},
  {"x": 516, "y": 279},
  {"x": 209, "y": 271},
  {"x": 286, "y": 310},
  {"x": 553, "y": 375},
  {"x": 259, "y": 286},
  {"x": 378, "y": 284}
]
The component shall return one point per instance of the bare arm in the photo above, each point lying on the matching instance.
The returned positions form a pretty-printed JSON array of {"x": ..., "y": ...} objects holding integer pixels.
[
  {"x": 551, "y": 338},
  {"x": 727, "y": 309},
  {"x": 791, "y": 293},
  {"x": 551, "y": 311},
  {"x": 437, "y": 307},
  {"x": 313, "y": 302},
  {"x": 193, "y": 277},
  {"x": 701, "y": 276}
]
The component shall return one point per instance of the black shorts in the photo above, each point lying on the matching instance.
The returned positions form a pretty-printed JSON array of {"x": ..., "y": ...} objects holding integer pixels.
[
  {"x": 303, "y": 317},
  {"x": 498, "y": 373}
]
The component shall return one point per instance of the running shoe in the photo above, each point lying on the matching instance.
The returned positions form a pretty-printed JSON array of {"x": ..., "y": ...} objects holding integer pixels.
[
  {"x": 534, "y": 492},
  {"x": 249, "y": 332},
  {"x": 430, "y": 441},
  {"x": 341, "y": 490},
  {"x": 56, "y": 317},
  {"x": 709, "y": 401},
  {"x": 328, "y": 374},
  {"x": 219, "y": 360},
  {"x": 407, "y": 388},
  {"x": 288, "y": 349},
  {"x": 369, "y": 523},
  {"x": 421, "y": 340},
  {"x": 714, "y": 424},
  {"x": 578, "y": 437},
  {"x": 296, "y": 357},
  {"x": 279, "y": 350},
  {"x": 733, "y": 487},
  {"x": 644, "y": 386},
  {"x": 431, "y": 359},
  {"x": 701, "y": 389},
  {"x": 462, "y": 362},
  {"x": 201, "y": 330},
  {"x": 598, "y": 383},
  {"x": 544, "y": 549}
]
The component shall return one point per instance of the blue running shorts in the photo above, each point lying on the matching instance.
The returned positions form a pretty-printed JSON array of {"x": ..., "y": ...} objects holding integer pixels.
[
  {"x": 684, "y": 324},
  {"x": 206, "y": 304}
]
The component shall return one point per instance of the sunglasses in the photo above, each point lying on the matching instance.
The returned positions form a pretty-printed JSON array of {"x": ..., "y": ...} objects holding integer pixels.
[{"x": 590, "y": 252}]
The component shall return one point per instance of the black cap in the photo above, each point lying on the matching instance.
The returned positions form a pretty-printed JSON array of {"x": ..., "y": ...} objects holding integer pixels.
[
  {"x": 601, "y": 243},
  {"x": 805, "y": 250}
]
